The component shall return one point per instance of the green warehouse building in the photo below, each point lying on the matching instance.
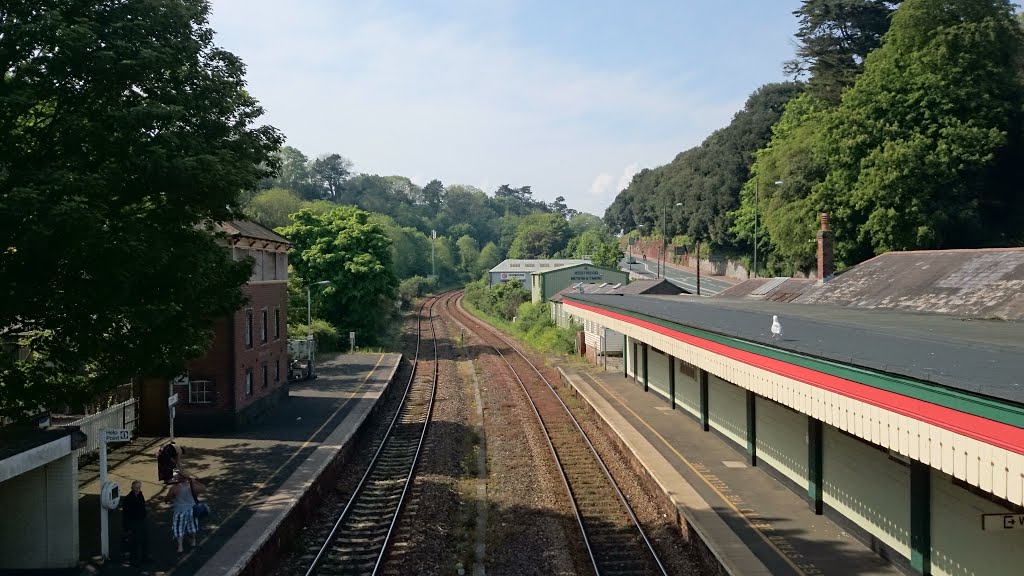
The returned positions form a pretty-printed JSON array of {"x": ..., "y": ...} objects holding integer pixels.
[{"x": 547, "y": 283}]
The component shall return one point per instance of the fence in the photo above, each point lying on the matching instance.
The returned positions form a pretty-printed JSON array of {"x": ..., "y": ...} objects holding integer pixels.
[{"x": 123, "y": 415}]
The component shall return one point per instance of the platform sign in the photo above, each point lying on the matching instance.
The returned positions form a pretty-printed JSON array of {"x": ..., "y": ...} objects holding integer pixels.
[
  {"x": 172, "y": 399},
  {"x": 117, "y": 434},
  {"x": 1002, "y": 522}
]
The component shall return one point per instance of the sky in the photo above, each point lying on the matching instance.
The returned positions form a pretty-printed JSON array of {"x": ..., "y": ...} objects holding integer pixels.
[{"x": 568, "y": 97}]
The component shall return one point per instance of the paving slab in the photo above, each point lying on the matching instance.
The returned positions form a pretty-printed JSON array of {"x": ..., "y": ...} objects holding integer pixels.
[
  {"x": 775, "y": 523},
  {"x": 242, "y": 470}
]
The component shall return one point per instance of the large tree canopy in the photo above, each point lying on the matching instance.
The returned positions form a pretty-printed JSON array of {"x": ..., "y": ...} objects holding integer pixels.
[
  {"x": 122, "y": 128},
  {"x": 345, "y": 247},
  {"x": 922, "y": 144},
  {"x": 834, "y": 39}
]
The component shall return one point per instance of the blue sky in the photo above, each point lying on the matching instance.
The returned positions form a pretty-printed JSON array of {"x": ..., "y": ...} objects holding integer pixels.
[{"x": 570, "y": 98}]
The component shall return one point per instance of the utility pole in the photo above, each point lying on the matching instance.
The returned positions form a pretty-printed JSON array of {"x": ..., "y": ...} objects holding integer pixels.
[
  {"x": 698, "y": 267},
  {"x": 757, "y": 194},
  {"x": 433, "y": 236}
]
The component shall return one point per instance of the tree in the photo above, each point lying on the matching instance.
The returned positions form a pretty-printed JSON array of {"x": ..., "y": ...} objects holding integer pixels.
[
  {"x": 273, "y": 207},
  {"x": 345, "y": 247},
  {"x": 295, "y": 174},
  {"x": 123, "y": 128},
  {"x": 607, "y": 255},
  {"x": 329, "y": 172},
  {"x": 540, "y": 236},
  {"x": 834, "y": 39},
  {"x": 469, "y": 253},
  {"x": 918, "y": 145},
  {"x": 433, "y": 195},
  {"x": 490, "y": 256}
]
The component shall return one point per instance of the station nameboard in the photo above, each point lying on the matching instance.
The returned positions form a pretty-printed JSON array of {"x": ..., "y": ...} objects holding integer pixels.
[{"x": 1002, "y": 522}]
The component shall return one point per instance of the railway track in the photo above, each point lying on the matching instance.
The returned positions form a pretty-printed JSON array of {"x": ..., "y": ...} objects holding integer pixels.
[
  {"x": 365, "y": 528},
  {"x": 614, "y": 540}
]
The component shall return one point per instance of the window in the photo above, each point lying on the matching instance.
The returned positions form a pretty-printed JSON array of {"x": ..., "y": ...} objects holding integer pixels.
[
  {"x": 248, "y": 381},
  {"x": 200, "y": 391},
  {"x": 266, "y": 380},
  {"x": 263, "y": 326},
  {"x": 277, "y": 370},
  {"x": 277, "y": 323},
  {"x": 248, "y": 328}
]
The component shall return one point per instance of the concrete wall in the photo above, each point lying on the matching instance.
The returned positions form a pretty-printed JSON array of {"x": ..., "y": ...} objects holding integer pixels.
[
  {"x": 727, "y": 409},
  {"x": 40, "y": 517},
  {"x": 959, "y": 546},
  {"x": 863, "y": 484},
  {"x": 782, "y": 439}
]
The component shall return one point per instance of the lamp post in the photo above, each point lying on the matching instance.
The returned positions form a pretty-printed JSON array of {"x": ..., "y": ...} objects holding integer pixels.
[
  {"x": 309, "y": 323},
  {"x": 757, "y": 194},
  {"x": 662, "y": 268}
]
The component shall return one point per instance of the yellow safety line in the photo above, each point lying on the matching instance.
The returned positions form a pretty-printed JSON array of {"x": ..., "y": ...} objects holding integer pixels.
[
  {"x": 763, "y": 536},
  {"x": 275, "y": 472}
]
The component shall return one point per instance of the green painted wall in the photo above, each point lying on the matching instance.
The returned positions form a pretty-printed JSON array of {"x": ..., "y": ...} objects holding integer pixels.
[
  {"x": 727, "y": 409},
  {"x": 782, "y": 439},
  {"x": 687, "y": 388},
  {"x": 544, "y": 286},
  {"x": 959, "y": 546},
  {"x": 872, "y": 490},
  {"x": 657, "y": 363}
]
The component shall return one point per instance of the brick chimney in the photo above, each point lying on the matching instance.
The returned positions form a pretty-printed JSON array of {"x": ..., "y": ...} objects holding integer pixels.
[{"x": 826, "y": 263}]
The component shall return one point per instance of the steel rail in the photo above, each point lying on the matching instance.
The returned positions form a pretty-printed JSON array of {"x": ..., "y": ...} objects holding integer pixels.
[
  {"x": 593, "y": 451},
  {"x": 358, "y": 492}
]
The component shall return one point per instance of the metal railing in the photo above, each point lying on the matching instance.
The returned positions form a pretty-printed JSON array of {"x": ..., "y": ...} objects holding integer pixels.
[{"x": 123, "y": 415}]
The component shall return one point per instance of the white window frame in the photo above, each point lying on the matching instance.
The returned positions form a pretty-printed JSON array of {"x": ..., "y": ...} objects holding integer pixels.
[
  {"x": 248, "y": 327},
  {"x": 248, "y": 381},
  {"x": 264, "y": 326},
  {"x": 200, "y": 391}
]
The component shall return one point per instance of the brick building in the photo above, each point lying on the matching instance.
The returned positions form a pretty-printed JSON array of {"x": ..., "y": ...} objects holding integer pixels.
[{"x": 245, "y": 372}]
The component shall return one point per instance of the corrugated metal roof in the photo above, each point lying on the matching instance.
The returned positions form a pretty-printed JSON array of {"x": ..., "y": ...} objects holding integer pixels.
[
  {"x": 662, "y": 287},
  {"x": 984, "y": 283},
  {"x": 513, "y": 265}
]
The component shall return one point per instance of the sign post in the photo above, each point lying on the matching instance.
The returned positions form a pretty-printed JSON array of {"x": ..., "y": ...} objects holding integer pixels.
[
  {"x": 171, "y": 401},
  {"x": 108, "y": 435},
  {"x": 351, "y": 342}
]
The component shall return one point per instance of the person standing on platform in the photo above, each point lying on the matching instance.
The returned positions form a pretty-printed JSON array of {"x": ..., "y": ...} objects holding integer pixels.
[
  {"x": 133, "y": 524},
  {"x": 168, "y": 458},
  {"x": 182, "y": 497}
]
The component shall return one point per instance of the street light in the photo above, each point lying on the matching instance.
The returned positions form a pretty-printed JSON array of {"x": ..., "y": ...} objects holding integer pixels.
[
  {"x": 309, "y": 323},
  {"x": 662, "y": 268},
  {"x": 757, "y": 193}
]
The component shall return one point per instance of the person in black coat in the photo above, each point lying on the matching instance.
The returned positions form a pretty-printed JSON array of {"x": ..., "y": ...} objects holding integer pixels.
[
  {"x": 133, "y": 524},
  {"x": 167, "y": 459}
]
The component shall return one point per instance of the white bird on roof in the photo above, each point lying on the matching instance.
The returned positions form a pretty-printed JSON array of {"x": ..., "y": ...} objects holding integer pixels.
[{"x": 776, "y": 327}]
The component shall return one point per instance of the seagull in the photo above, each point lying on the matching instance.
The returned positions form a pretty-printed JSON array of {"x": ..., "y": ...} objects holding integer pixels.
[{"x": 776, "y": 327}]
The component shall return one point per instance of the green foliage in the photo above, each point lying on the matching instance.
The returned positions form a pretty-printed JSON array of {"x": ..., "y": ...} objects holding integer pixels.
[
  {"x": 540, "y": 236},
  {"x": 412, "y": 288},
  {"x": 327, "y": 337},
  {"x": 500, "y": 300},
  {"x": 834, "y": 38},
  {"x": 706, "y": 180},
  {"x": 469, "y": 255},
  {"x": 346, "y": 248},
  {"x": 111, "y": 156},
  {"x": 786, "y": 216},
  {"x": 608, "y": 255},
  {"x": 273, "y": 208},
  {"x": 490, "y": 256},
  {"x": 916, "y": 146}
]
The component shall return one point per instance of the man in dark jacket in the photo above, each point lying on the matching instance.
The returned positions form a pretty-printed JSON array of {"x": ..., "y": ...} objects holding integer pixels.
[{"x": 133, "y": 523}]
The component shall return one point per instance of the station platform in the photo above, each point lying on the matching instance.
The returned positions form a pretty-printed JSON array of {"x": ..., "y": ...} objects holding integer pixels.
[
  {"x": 753, "y": 522},
  {"x": 253, "y": 477}
]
